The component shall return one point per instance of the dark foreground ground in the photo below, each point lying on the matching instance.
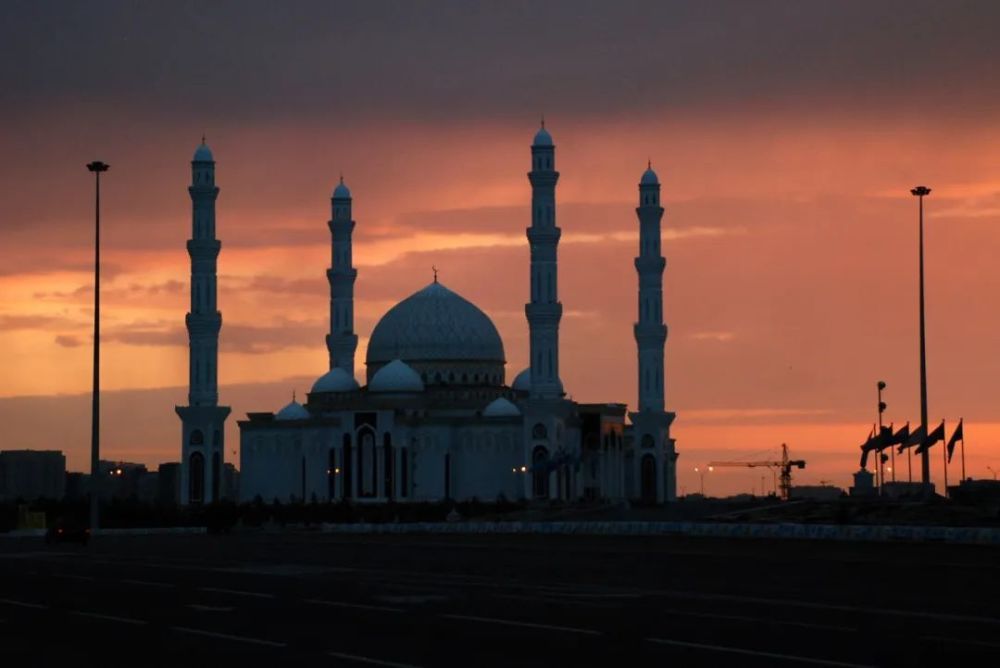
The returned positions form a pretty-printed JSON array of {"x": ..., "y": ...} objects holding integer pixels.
[{"x": 297, "y": 599}]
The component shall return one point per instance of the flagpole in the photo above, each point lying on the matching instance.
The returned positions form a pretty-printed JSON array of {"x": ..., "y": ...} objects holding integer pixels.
[
  {"x": 961, "y": 422},
  {"x": 944, "y": 451},
  {"x": 925, "y": 461}
]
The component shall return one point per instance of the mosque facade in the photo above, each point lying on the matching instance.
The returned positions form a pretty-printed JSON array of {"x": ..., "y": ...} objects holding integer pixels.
[{"x": 436, "y": 418}]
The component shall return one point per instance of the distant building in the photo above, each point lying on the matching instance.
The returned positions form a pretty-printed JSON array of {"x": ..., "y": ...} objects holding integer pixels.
[
  {"x": 32, "y": 474},
  {"x": 817, "y": 492},
  {"x": 121, "y": 480},
  {"x": 169, "y": 484}
]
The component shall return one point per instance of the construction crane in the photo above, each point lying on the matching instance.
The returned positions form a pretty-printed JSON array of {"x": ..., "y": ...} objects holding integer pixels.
[{"x": 784, "y": 466}]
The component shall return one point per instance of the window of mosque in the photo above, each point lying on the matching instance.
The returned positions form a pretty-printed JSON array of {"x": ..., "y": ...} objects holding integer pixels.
[
  {"x": 367, "y": 476},
  {"x": 647, "y": 441},
  {"x": 539, "y": 431},
  {"x": 196, "y": 478},
  {"x": 404, "y": 472},
  {"x": 388, "y": 464},
  {"x": 216, "y": 438},
  {"x": 197, "y": 438},
  {"x": 540, "y": 473}
]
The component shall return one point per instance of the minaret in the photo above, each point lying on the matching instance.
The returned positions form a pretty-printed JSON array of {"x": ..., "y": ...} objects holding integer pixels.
[
  {"x": 544, "y": 311},
  {"x": 341, "y": 342},
  {"x": 650, "y": 332},
  {"x": 651, "y": 424},
  {"x": 202, "y": 448}
]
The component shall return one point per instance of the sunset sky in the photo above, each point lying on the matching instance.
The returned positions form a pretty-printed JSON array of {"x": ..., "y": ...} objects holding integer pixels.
[{"x": 786, "y": 136}]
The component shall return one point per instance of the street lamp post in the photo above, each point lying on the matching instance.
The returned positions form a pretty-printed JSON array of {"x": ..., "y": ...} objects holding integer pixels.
[
  {"x": 701, "y": 475},
  {"x": 97, "y": 167},
  {"x": 993, "y": 471},
  {"x": 925, "y": 459}
]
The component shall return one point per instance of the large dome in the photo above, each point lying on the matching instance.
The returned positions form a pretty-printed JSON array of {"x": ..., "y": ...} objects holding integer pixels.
[{"x": 442, "y": 335}]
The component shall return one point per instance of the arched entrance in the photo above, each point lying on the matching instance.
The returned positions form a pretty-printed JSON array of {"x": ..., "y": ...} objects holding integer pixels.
[
  {"x": 540, "y": 473},
  {"x": 196, "y": 478},
  {"x": 647, "y": 477}
]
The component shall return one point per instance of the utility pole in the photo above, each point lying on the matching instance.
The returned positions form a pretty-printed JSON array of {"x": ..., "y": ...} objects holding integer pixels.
[
  {"x": 95, "y": 419},
  {"x": 925, "y": 458}
]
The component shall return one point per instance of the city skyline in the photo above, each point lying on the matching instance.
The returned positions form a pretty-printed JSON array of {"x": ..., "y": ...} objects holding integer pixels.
[{"x": 790, "y": 287}]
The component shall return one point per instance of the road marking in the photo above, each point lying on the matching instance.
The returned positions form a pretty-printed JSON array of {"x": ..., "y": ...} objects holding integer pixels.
[
  {"x": 23, "y": 604},
  {"x": 814, "y": 605},
  {"x": 753, "y": 652},
  {"x": 110, "y": 618},
  {"x": 236, "y": 592},
  {"x": 760, "y": 620},
  {"x": 964, "y": 641},
  {"x": 530, "y": 625},
  {"x": 226, "y": 636},
  {"x": 70, "y": 576},
  {"x": 554, "y": 601},
  {"x": 413, "y": 598},
  {"x": 359, "y": 606},
  {"x": 147, "y": 583},
  {"x": 209, "y": 608},
  {"x": 369, "y": 660}
]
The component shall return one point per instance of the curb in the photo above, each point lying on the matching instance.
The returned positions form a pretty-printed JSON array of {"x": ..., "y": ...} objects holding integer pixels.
[{"x": 862, "y": 533}]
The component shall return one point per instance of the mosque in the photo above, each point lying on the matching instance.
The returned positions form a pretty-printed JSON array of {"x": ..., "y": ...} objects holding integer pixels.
[{"x": 436, "y": 418}]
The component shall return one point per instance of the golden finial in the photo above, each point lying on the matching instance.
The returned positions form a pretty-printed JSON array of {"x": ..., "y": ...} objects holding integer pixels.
[{"x": 435, "y": 270}]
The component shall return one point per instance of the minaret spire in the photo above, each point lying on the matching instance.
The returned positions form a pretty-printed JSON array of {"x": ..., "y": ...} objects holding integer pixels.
[
  {"x": 544, "y": 311},
  {"x": 202, "y": 447},
  {"x": 651, "y": 423},
  {"x": 341, "y": 342}
]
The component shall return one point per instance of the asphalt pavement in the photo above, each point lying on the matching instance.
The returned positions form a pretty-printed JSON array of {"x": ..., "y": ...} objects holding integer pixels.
[{"x": 312, "y": 599}]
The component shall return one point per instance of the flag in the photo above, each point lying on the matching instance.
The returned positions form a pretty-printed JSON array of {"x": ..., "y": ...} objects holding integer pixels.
[
  {"x": 932, "y": 438},
  {"x": 956, "y": 436},
  {"x": 884, "y": 438},
  {"x": 902, "y": 435},
  {"x": 916, "y": 437}
]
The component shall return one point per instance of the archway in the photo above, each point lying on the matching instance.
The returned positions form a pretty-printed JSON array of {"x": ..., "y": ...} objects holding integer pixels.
[
  {"x": 196, "y": 478},
  {"x": 540, "y": 473},
  {"x": 648, "y": 479}
]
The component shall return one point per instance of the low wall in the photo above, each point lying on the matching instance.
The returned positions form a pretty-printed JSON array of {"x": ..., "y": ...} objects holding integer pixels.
[{"x": 967, "y": 535}]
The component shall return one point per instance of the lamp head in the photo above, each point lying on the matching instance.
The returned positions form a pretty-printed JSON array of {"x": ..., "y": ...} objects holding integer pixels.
[
  {"x": 920, "y": 191},
  {"x": 97, "y": 166}
]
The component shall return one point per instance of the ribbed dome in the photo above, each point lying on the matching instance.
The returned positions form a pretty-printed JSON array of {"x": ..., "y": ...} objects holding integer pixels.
[
  {"x": 396, "y": 376},
  {"x": 293, "y": 411},
  {"x": 522, "y": 382},
  {"x": 335, "y": 380},
  {"x": 203, "y": 153},
  {"x": 649, "y": 178},
  {"x": 501, "y": 407},
  {"x": 435, "y": 324},
  {"x": 542, "y": 138}
]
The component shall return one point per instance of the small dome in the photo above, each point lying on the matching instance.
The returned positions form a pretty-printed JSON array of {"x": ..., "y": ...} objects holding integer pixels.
[
  {"x": 522, "y": 383},
  {"x": 341, "y": 191},
  {"x": 335, "y": 380},
  {"x": 649, "y": 178},
  {"x": 501, "y": 407},
  {"x": 396, "y": 376},
  {"x": 293, "y": 411},
  {"x": 542, "y": 138},
  {"x": 203, "y": 153}
]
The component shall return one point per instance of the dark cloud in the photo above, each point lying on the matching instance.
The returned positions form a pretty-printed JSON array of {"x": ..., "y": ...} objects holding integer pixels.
[
  {"x": 13, "y": 322},
  {"x": 458, "y": 59},
  {"x": 67, "y": 341}
]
